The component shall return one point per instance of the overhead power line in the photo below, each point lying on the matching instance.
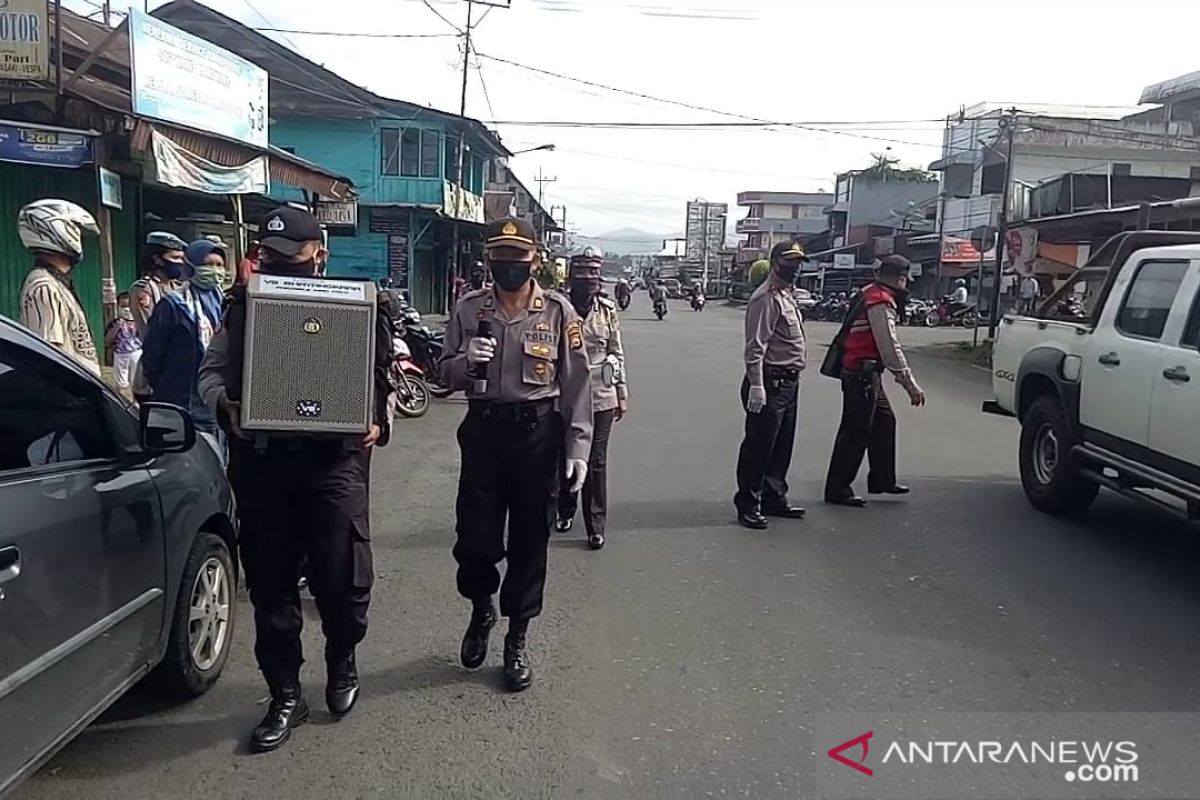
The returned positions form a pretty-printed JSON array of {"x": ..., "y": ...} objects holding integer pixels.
[
  {"x": 441, "y": 16},
  {"x": 853, "y": 125}
]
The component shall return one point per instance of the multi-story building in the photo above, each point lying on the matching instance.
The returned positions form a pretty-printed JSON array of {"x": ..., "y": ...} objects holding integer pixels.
[
  {"x": 403, "y": 156},
  {"x": 773, "y": 217},
  {"x": 866, "y": 206},
  {"x": 1065, "y": 159}
]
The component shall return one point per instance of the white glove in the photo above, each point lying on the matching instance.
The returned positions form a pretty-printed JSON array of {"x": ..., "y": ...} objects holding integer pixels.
[
  {"x": 757, "y": 399},
  {"x": 576, "y": 473},
  {"x": 480, "y": 351}
]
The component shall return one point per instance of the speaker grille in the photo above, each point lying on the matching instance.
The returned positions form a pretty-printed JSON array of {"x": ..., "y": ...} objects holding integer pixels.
[{"x": 308, "y": 366}]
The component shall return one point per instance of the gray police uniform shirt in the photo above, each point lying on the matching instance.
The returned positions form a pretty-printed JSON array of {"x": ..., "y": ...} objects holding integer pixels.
[
  {"x": 540, "y": 355},
  {"x": 774, "y": 330},
  {"x": 602, "y": 335}
]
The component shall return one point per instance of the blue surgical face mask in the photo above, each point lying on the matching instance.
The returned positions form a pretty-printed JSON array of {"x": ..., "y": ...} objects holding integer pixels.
[{"x": 172, "y": 269}]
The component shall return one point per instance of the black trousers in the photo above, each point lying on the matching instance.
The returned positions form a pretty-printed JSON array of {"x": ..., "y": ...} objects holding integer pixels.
[
  {"x": 868, "y": 428},
  {"x": 509, "y": 475},
  {"x": 303, "y": 505},
  {"x": 595, "y": 486},
  {"x": 766, "y": 451}
]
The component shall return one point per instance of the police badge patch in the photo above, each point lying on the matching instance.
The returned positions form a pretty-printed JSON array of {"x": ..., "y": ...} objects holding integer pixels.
[{"x": 575, "y": 335}]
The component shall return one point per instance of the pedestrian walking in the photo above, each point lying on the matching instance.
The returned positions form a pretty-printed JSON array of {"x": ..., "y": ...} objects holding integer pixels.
[
  {"x": 122, "y": 340},
  {"x": 53, "y": 231},
  {"x": 180, "y": 330},
  {"x": 868, "y": 427},
  {"x": 299, "y": 498},
  {"x": 518, "y": 351},
  {"x": 1031, "y": 291},
  {"x": 775, "y": 357},
  {"x": 610, "y": 393}
]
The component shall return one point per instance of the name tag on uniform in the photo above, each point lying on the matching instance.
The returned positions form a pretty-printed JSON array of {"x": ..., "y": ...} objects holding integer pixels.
[{"x": 544, "y": 337}]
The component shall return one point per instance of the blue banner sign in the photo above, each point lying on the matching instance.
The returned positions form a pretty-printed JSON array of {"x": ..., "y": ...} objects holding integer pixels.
[{"x": 44, "y": 147}]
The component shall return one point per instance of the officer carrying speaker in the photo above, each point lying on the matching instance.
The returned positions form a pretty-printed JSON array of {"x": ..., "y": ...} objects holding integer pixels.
[
  {"x": 518, "y": 351},
  {"x": 300, "y": 496}
]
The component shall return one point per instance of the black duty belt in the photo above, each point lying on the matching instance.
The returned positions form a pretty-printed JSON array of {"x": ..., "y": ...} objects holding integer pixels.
[
  {"x": 781, "y": 372},
  {"x": 527, "y": 411}
]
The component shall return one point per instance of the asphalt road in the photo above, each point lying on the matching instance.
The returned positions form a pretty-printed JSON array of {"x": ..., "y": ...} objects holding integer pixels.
[{"x": 688, "y": 658}]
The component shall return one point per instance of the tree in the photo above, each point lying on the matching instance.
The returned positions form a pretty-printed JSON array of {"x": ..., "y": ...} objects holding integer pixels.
[
  {"x": 885, "y": 169},
  {"x": 758, "y": 271}
]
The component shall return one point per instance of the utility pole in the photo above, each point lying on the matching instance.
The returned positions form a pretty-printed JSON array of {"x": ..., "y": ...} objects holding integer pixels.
[
  {"x": 107, "y": 12},
  {"x": 1010, "y": 123},
  {"x": 542, "y": 180},
  {"x": 455, "y": 256},
  {"x": 704, "y": 252}
]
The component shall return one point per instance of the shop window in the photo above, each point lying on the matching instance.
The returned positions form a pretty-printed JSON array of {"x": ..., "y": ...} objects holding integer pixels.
[
  {"x": 430, "y": 153},
  {"x": 389, "y": 151},
  {"x": 410, "y": 152}
]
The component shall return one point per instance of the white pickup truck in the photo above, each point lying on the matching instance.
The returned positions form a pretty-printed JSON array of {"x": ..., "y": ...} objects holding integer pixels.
[{"x": 1105, "y": 379}]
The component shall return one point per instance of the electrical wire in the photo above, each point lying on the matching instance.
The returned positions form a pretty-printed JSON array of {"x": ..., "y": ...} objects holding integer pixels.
[
  {"x": 440, "y": 16},
  {"x": 615, "y": 125},
  {"x": 483, "y": 83}
]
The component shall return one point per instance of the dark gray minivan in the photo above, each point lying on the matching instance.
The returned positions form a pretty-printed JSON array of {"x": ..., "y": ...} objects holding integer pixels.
[{"x": 116, "y": 535}]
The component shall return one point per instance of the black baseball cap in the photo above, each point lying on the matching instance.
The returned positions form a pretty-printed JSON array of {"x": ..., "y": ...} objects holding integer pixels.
[
  {"x": 286, "y": 230},
  {"x": 788, "y": 251},
  {"x": 511, "y": 232}
]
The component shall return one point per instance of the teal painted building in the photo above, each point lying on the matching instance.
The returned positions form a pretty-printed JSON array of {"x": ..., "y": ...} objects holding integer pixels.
[{"x": 401, "y": 157}]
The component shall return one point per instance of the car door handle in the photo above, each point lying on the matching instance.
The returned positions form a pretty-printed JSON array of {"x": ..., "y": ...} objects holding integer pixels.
[
  {"x": 10, "y": 563},
  {"x": 1110, "y": 360},
  {"x": 1177, "y": 374}
]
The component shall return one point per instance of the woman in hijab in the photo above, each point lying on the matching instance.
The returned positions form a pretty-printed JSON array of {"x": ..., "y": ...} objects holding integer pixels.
[{"x": 180, "y": 329}]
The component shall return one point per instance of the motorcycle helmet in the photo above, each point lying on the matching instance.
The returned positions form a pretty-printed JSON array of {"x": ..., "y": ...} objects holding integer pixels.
[
  {"x": 55, "y": 226},
  {"x": 960, "y": 282}
]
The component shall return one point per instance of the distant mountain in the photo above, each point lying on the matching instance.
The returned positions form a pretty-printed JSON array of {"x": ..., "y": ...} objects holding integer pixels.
[{"x": 624, "y": 241}]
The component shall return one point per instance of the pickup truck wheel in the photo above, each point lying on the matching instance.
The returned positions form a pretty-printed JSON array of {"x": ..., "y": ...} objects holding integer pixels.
[
  {"x": 202, "y": 625},
  {"x": 1049, "y": 474}
]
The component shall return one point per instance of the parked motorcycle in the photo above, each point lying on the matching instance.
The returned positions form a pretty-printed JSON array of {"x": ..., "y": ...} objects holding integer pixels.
[
  {"x": 918, "y": 311},
  {"x": 940, "y": 315},
  {"x": 426, "y": 347},
  {"x": 412, "y": 391}
]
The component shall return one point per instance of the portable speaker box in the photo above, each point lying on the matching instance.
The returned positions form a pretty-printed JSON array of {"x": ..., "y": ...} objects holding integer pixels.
[{"x": 309, "y": 356}]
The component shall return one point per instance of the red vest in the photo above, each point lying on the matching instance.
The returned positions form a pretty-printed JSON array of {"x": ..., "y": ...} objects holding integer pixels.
[{"x": 860, "y": 342}]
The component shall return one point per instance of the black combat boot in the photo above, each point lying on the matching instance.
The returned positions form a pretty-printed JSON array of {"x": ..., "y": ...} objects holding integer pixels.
[
  {"x": 475, "y": 640},
  {"x": 517, "y": 673},
  {"x": 341, "y": 687},
  {"x": 288, "y": 710}
]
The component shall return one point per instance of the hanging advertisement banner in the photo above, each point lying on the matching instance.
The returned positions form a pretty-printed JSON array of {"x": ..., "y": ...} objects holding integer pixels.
[
  {"x": 176, "y": 166},
  {"x": 469, "y": 206},
  {"x": 183, "y": 79},
  {"x": 1020, "y": 250},
  {"x": 24, "y": 40},
  {"x": 44, "y": 146}
]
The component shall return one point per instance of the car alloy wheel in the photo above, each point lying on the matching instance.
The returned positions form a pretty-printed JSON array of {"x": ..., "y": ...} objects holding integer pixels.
[{"x": 208, "y": 618}]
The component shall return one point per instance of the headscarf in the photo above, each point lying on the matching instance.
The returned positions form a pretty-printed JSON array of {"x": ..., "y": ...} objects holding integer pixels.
[{"x": 204, "y": 276}]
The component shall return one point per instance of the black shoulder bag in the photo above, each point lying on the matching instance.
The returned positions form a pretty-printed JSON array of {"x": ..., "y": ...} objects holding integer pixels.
[{"x": 831, "y": 365}]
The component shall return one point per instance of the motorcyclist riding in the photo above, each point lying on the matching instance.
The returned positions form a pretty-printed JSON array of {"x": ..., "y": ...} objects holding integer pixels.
[
  {"x": 959, "y": 297},
  {"x": 623, "y": 293}
]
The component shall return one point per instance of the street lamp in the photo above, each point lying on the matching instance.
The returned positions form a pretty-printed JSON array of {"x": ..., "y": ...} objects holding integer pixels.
[{"x": 549, "y": 148}]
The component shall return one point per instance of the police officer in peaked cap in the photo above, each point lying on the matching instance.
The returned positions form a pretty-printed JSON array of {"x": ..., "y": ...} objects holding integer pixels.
[
  {"x": 775, "y": 357},
  {"x": 610, "y": 392},
  {"x": 518, "y": 351}
]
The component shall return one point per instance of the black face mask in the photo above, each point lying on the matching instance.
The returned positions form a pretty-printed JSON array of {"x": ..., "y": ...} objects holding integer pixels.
[
  {"x": 788, "y": 271},
  {"x": 298, "y": 269},
  {"x": 510, "y": 275},
  {"x": 582, "y": 291}
]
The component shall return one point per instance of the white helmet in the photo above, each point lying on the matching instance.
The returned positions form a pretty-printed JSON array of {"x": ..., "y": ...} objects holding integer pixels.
[{"x": 56, "y": 226}]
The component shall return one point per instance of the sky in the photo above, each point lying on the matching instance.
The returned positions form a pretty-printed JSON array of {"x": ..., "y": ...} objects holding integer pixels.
[{"x": 896, "y": 69}]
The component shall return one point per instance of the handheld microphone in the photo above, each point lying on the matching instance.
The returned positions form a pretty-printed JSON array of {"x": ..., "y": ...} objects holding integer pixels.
[{"x": 479, "y": 371}]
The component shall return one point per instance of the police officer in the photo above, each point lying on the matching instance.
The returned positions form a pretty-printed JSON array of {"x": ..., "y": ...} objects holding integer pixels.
[
  {"x": 868, "y": 425},
  {"x": 775, "y": 351},
  {"x": 299, "y": 500},
  {"x": 518, "y": 351},
  {"x": 610, "y": 393}
]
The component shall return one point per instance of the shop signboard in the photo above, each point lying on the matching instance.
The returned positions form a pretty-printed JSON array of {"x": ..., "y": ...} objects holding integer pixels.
[
  {"x": 337, "y": 213},
  {"x": 110, "y": 189},
  {"x": 843, "y": 260},
  {"x": 180, "y": 78},
  {"x": 24, "y": 40},
  {"x": 44, "y": 146}
]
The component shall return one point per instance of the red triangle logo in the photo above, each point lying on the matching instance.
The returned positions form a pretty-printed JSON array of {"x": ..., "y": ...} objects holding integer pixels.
[{"x": 860, "y": 765}]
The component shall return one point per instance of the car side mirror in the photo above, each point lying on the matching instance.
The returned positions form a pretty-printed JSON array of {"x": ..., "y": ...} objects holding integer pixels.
[{"x": 165, "y": 428}]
